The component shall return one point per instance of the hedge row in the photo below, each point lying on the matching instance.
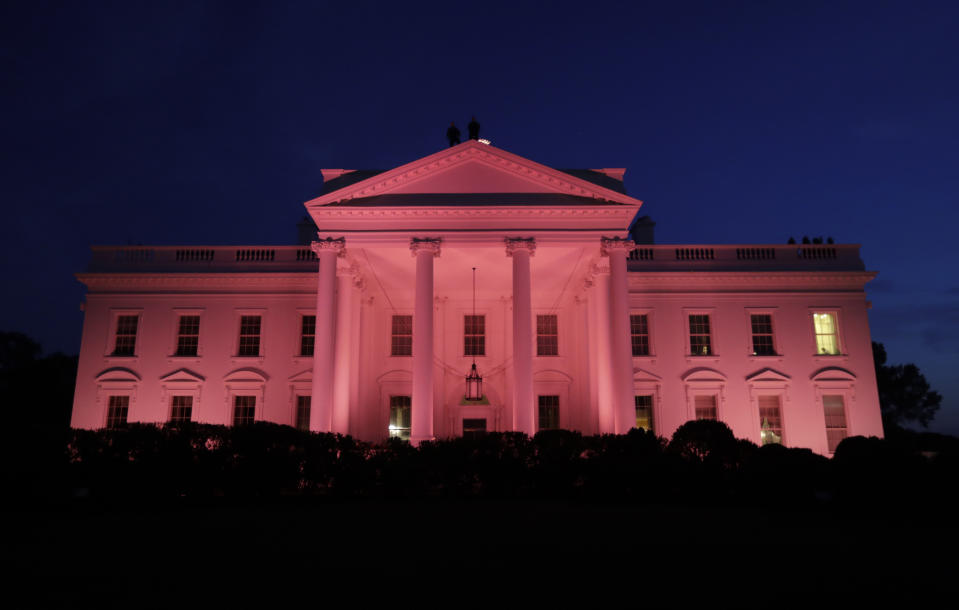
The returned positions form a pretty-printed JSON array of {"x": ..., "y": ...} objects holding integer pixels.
[{"x": 703, "y": 463}]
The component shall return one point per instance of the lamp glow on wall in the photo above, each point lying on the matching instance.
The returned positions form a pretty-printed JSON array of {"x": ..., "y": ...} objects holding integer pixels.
[{"x": 474, "y": 383}]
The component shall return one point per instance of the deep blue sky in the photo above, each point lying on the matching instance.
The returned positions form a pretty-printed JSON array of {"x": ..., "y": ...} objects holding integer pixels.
[{"x": 746, "y": 122}]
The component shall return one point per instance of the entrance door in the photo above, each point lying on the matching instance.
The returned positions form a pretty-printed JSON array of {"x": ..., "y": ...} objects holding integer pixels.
[{"x": 474, "y": 427}]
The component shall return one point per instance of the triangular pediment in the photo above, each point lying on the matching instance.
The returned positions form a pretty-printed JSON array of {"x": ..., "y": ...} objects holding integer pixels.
[
  {"x": 473, "y": 168},
  {"x": 182, "y": 375},
  {"x": 767, "y": 374}
]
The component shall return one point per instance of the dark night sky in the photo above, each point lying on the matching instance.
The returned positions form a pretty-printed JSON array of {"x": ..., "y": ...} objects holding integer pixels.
[{"x": 739, "y": 122}]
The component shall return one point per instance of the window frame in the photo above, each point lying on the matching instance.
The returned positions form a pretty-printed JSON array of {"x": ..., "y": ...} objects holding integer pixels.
[
  {"x": 297, "y": 405},
  {"x": 234, "y": 397},
  {"x": 651, "y": 352},
  {"x": 780, "y": 404},
  {"x": 466, "y": 352},
  {"x": 836, "y": 313},
  {"x": 125, "y": 407},
  {"x": 555, "y": 317},
  {"x": 750, "y": 336},
  {"x": 393, "y": 335},
  {"x": 171, "y": 407},
  {"x": 396, "y": 398},
  {"x": 111, "y": 339},
  {"x": 301, "y": 336},
  {"x": 539, "y": 411},
  {"x": 688, "y": 335},
  {"x": 238, "y": 316},
  {"x": 179, "y": 313},
  {"x": 652, "y": 409}
]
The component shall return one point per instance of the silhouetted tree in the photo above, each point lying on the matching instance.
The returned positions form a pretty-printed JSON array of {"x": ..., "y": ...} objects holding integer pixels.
[{"x": 904, "y": 393}]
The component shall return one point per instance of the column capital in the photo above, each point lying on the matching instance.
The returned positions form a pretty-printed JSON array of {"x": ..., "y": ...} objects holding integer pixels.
[
  {"x": 329, "y": 245},
  {"x": 426, "y": 244},
  {"x": 615, "y": 244},
  {"x": 520, "y": 243}
]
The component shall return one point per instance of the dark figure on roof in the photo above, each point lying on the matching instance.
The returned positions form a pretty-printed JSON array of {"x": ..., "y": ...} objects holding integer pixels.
[
  {"x": 453, "y": 134},
  {"x": 473, "y": 129}
]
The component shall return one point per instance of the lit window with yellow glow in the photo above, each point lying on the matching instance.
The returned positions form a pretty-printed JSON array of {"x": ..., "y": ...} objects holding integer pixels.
[
  {"x": 400, "y": 417},
  {"x": 827, "y": 333}
]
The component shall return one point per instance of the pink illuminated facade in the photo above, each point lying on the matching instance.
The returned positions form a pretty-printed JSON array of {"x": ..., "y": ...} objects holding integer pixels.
[{"x": 371, "y": 331}]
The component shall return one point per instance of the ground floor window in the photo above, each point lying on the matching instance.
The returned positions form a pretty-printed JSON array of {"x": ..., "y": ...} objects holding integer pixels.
[
  {"x": 244, "y": 410},
  {"x": 400, "y": 407},
  {"x": 118, "y": 408},
  {"x": 303, "y": 412},
  {"x": 548, "y": 412},
  {"x": 644, "y": 412},
  {"x": 706, "y": 407},
  {"x": 835, "y": 410},
  {"x": 770, "y": 420},
  {"x": 181, "y": 409}
]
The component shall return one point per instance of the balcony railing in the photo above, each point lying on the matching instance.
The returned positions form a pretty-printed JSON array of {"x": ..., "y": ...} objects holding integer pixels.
[
  {"x": 788, "y": 257},
  {"x": 201, "y": 259}
]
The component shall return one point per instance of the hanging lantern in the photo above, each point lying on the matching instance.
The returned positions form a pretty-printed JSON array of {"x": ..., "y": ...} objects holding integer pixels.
[{"x": 474, "y": 385}]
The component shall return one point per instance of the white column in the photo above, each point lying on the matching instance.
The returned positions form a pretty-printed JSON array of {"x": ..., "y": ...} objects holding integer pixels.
[
  {"x": 621, "y": 355},
  {"x": 343, "y": 350},
  {"x": 422, "y": 400},
  {"x": 600, "y": 348},
  {"x": 321, "y": 404},
  {"x": 524, "y": 411}
]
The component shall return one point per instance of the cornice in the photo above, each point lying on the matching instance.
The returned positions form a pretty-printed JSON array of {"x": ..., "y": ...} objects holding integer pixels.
[
  {"x": 489, "y": 155},
  {"x": 278, "y": 283},
  {"x": 598, "y": 211}
]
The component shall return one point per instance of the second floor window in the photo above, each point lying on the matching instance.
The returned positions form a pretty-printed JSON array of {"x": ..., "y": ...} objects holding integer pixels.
[
  {"x": 249, "y": 336},
  {"x": 126, "y": 337},
  {"x": 639, "y": 334},
  {"x": 827, "y": 333},
  {"x": 474, "y": 335},
  {"x": 188, "y": 336},
  {"x": 700, "y": 341},
  {"x": 307, "y": 335},
  {"x": 401, "y": 336},
  {"x": 547, "y": 335},
  {"x": 762, "y": 331}
]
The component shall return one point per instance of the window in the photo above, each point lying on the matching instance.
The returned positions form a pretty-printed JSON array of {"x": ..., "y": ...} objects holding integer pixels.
[
  {"x": 827, "y": 333},
  {"x": 307, "y": 335},
  {"x": 474, "y": 427},
  {"x": 474, "y": 335},
  {"x": 639, "y": 334},
  {"x": 244, "y": 410},
  {"x": 181, "y": 409},
  {"x": 700, "y": 343},
  {"x": 187, "y": 336},
  {"x": 401, "y": 339},
  {"x": 117, "y": 410},
  {"x": 400, "y": 417},
  {"x": 126, "y": 338},
  {"x": 547, "y": 335},
  {"x": 835, "y": 410},
  {"x": 762, "y": 331},
  {"x": 303, "y": 412},
  {"x": 770, "y": 420},
  {"x": 249, "y": 336},
  {"x": 705, "y": 407},
  {"x": 644, "y": 412},
  {"x": 548, "y": 412}
]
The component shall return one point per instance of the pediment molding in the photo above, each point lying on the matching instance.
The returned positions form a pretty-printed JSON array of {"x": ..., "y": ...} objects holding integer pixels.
[
  {"x": 833, "y": 373},
  {"x": 305, "y": 376},
  {"x": 117, "y": 373},
  {"x": 182, "y": 375},
  {"x": 551, "y": 375},
  {"x": 247, "y": 375},
  {"x": 513, "y": 166},
  {"x": 396, "y": 375},
  {"x": 703, "y": 374},
  {"x": 768, "y": 375},
  {"x": 644, "y": 375}
]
